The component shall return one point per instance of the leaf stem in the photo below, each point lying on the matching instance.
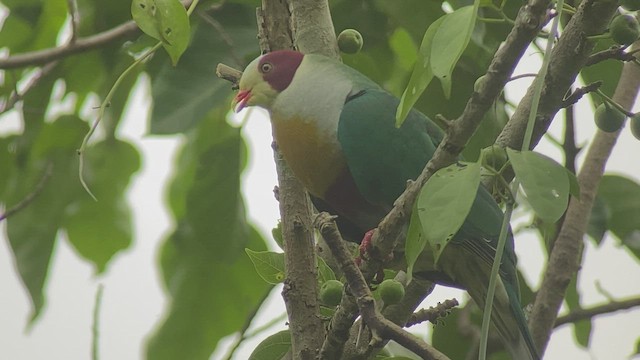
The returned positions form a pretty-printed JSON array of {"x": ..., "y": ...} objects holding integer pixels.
[{"x": 526, "y": 143}]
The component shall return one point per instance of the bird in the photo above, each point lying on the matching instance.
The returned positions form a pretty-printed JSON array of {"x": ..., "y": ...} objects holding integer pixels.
[{"x": 336, "y": 130}]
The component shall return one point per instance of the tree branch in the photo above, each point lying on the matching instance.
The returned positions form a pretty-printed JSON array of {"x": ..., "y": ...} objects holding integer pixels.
[
  {"x": 432, "y": 314},
  {"x": 40, "y": 57},
  {"x": 616, "y": 52},
  {"x": 578, "y": 93},
  {"x": 587, "y": 314},
  {"x": 275, "y": 29},
  {"x": 15, "y": 96},
  {"x": 382, "y": 327},
  {"x": 565, "y": 257},
  {"x": 567, "y": 58}
]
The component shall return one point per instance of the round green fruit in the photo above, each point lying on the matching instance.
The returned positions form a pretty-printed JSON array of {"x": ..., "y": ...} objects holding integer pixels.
[
  {"x": 331, "y": 293},
  {"x": 391, "y": 291},
  {"x": 493, "y": 157},
  {"x": 624, "y": 29},
  {"x": 608, "y": 118},
  {"x": 634, "y": 123},
  {"x": 477, "y": 86},
  {"x": 630, "y": 5},
  {"x": 350, "y": 41}
]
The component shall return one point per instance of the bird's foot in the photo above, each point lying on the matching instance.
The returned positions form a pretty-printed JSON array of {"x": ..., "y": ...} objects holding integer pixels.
[{"x": 365, "y": 244}]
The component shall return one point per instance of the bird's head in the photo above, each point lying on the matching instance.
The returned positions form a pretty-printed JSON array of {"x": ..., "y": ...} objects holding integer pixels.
[{"x": 266, "y": 77}]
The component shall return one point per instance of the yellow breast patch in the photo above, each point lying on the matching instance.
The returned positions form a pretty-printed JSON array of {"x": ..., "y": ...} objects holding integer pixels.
[{"x": 314, "y": 158}]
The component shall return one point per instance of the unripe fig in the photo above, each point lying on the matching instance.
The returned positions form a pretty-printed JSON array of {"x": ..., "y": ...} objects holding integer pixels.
[
  {"x": 331, "y": 293},
  {"x": 494, "y": 157},
  {"x": 624, "y": 29},
  {"x": 634, "y": 123},
  {"x": 630, "y": 5},
  {"x": 391, "y": 291},
  {"x": 350, "y": 41},
  {"x": 477, "y": 86},
  {"x": 608, "y": 118}
]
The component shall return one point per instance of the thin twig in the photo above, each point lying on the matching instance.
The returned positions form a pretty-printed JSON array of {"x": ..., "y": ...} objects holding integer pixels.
[
  {"x": 16, "y": 96},
  {"x": 223, "y": 34},
  {"x": 247, "y": 323},
  {"x": 95, "y": 327},
  {"x": 92, "y": 42},
  {"x": 75, "y": 20},
  {"x": 230, "y": 74},
  {"x": 615, "y": 52},
  {"x": 586, "y": 314},
  {"x": 578, "y": 93},
  {"x": 382, "y": 327},
  {"x": 432, "y": 314},
  {"x": 32, "y": 195}
]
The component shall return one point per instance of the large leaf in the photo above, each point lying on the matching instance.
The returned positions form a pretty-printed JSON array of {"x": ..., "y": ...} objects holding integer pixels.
[
  {"x": 211, "y": 281},
  {"x": 98, "y": 230},
  {"x": 274, "y": 347},
  {"x": 582, "y": 328},
  {"x": 268, "y": 264},
  {"x": 183, "y": 95},
  {"x": 445, "y": 201},
  {"x": 544, "y": 181},
  {"x": 621, "y": 197},
  {"x": 164, "y": 20},
  {"x": 450, "y": 41},
  {"x": 32, "y": 230},
  {"x": 421, "y": 75}
]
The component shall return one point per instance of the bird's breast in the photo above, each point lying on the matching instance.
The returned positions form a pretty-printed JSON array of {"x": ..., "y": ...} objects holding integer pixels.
[{"x": 312, "y": 153}]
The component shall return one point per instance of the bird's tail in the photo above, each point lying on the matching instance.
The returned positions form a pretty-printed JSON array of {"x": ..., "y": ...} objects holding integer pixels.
[
  {"x": 506, "y": 315},
  {"x": 511, "y": 324}
]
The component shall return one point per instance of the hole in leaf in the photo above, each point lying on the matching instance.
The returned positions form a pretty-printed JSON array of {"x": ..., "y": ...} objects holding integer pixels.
[{"x": 142, "y": 6}]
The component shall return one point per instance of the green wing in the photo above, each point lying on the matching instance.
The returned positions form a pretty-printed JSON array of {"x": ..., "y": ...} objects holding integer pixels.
[{"x": 381, "y": 158}]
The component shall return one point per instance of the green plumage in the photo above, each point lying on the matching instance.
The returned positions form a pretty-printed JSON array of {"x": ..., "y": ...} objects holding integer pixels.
[{"x": 382, "y": 157}]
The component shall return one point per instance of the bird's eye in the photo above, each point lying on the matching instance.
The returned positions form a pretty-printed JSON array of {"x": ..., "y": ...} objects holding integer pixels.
[{"x": 266, "y": 67}]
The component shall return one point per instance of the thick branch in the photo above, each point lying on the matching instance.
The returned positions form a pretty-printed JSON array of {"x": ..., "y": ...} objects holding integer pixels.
[
  {"x": 40, "y": 57},
  {"x": 567, "y": 58},
  {"x": 565, "y": 257},
  {"x": 382, "y": 327},
  {"x": 587, "y": 314},
  {"x": 300, "y": 291}
]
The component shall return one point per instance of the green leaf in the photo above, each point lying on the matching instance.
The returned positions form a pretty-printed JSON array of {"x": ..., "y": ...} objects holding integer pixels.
[
  {"x": 414, "y": 243},
  {"x": 446, "y": 336},
  {"x": 147, "y": 16},
  {"x": 450, "y": 41},
  {"x": 421, "y": 75},
  {"x": 598, "y": 220},
  {"x": 445, "y": 201},
  {"x": 582, "y": 328},
  {"x": 269, "y": 265},
  {"x": 32, "y": 230},
  {"x": 621, "y": 197},
  {"x": 325, "y": 273},
  {"x": 276, "y": 232},
  {"x": 183, "y": 95},
  {"x": 544, "y": 181},
  {"x": 211, "y": 282},
  {"x": 98, "y": 230},
  {"x": 275, "y": 347},
  {"x": 164, "y": 20},
  {"x": 574, "y": 186}
]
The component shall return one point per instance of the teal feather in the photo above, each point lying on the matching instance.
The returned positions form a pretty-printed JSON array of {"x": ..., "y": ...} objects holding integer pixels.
[{"x": 382, "y": 157}]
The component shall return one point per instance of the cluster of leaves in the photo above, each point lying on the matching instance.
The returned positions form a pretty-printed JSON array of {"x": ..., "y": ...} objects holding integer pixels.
[{"x": 205, "y": 251}]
